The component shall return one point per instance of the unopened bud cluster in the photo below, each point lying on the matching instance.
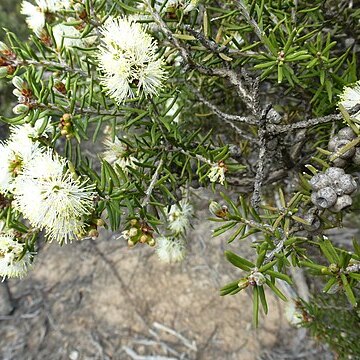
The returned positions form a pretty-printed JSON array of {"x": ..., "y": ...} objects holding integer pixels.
[
  {"x": 256, "y": 278},
  {"x": 220, "y": 211},
  {"x": 333, "y": 189},
  {"x": 138, "y": 231},
  {"x": 338, "y": 142},
  {"x": 24, "y": 95},
  {"x": 6, "y": 61},
  {"x": 66, "y": 127}
]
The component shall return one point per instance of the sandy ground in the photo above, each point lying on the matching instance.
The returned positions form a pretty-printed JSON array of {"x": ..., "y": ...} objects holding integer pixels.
[{"x": 97, "y": 299}]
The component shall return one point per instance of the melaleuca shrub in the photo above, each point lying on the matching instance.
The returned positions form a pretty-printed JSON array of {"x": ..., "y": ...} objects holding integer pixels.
[{"x": 257, "y": 100}]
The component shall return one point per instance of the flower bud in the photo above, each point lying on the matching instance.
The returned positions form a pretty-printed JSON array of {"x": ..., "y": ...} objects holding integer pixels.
[
  {"x": 93, "y": 233},
  {"x": 100, "y": 222},
  {"x": 144, "y": 239},
  {"x": 17, "y": 93},
  {"x": 219, "y": 211},
  {"x": 151, "y": 242},
  {"x": 18, "y": 82},
  {"x": 324, "y": 198},
  {"x": 3, "y": 46},
  {"x": 333, "y": 268},
  {"x": 133, "y": 222},
  {"x": 341, "y": 203},
  {"x": 133, "y": 232},
  {"x": 66, "y": 117},
  {"x": 78, "y": 7},
  {"x": 257, "y": 278},
  {"x": 243, "y": 283},
  {"x": 20, "y": 109},
  {"x": 3, "y": 72},
  {"x": 131, "y": 243}
]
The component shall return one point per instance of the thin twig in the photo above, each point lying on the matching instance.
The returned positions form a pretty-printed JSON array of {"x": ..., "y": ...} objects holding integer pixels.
[
  {"x": 231, "y": 75},
  {"x": 305, "y": 124},
  {"x": 136, "y": 356},
  {"x": 190, "y": 344},
  {"x": 152, "y": 183}
]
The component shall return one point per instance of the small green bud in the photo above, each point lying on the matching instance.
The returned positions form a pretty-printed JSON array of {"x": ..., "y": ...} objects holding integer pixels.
[
  {"x": 20, "y": 109},
  {"x": 3, "y": 72},
  {"x": 219, "y": 211},
  {"x": 133, "y": 222},
  {"x": 257, "y": 278},
  {"x": 151, "y": 242},
  {"x": 100, "y": 222},
  {"x": 67, "y": 117},
  {"x": 133, "y": 232},
  {"x": 17, "y": 93},
  {"x": 3, "y": 46},
  {"x": 93, "y": 233},
  {"x": 243, "y": 283},
  {"x": 333, "y": 268},
  {"x": 144, "y": 239},
  {"x": 78, "y": 7},
  {"x": 18, "y": 82}
]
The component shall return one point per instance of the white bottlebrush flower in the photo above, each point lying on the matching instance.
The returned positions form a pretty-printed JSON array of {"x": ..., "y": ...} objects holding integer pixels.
[
  {"x": 13, "y": 261},
  {"x": 36, "y": 14},
  {"x": 128, "y": 59},
  {"x": 170, "y": 249},
  {"x": 22, "y": 133},
  {"x": 6, "y": 171},
  {"x": 217, "y": 173},
  {"x": 351, "y": 97},
  {"x": 50, "y": 198},
  {"x": 116, "y": 153},
  {"x": 15, "y": 154},
  {"x": 179, "y": 216}
]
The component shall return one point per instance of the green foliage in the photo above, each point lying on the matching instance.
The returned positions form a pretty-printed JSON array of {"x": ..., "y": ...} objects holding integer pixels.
[{"x": 331, "y": 320}]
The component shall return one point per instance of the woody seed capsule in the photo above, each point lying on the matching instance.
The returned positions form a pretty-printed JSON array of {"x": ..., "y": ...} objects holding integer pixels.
[
  {"x": 324, "y": 198},
  {"x": 339, "y": 162},
  {"x": 346, "y": 133},
  {"x": 332, "y": 143},
  {"x": 356, "y": 158},
  {"x": 347, "y": 154},
  {"x": 334, "y": 172},
  {"x": 348, "y": 184},
  {"x": 320, "y": 181},
  {"x": 341, "y": 203}
]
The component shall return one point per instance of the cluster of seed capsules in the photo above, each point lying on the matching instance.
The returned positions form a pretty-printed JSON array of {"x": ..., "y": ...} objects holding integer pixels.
[
  {"x": 333, "y": 188},
  {"x": 338, "y": 142}
]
